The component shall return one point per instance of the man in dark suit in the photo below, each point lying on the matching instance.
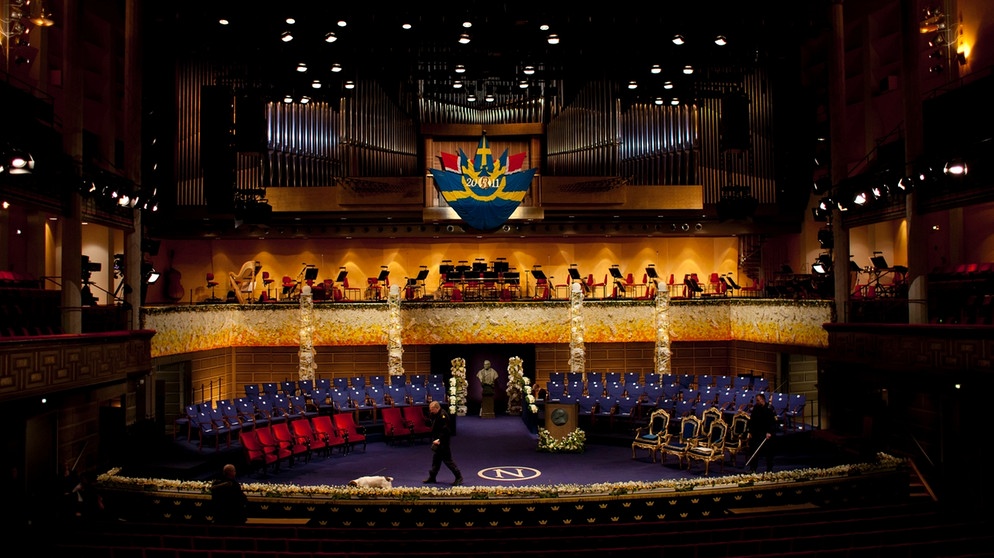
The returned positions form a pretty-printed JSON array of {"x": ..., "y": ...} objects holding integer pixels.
[
  {"x": 442, "y": 451},
  {"x": 762, "y": 425}
]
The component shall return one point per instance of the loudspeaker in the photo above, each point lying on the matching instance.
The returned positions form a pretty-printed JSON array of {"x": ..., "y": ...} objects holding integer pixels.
[
  {"x": 217, "y": 148},
  {"x": 250, "y": 123},
  {"x": 734, "y": 124}
]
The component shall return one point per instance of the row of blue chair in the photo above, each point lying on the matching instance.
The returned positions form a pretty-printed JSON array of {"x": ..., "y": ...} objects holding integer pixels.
[
  {"x": 684, "y": 380},
  {"x": 305, "y": 388}
]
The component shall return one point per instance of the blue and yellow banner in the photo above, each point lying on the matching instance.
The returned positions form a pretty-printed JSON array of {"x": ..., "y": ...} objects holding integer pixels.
[{"x": 484, "y": 191}]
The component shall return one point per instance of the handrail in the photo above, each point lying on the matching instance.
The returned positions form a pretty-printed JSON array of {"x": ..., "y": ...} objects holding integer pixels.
[{"x": 921, "y": 478}]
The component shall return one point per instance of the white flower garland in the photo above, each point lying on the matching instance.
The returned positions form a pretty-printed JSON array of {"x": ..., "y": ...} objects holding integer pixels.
[
  {"x": 884, "y": 462},
  {"x": 458, "y": 386}
]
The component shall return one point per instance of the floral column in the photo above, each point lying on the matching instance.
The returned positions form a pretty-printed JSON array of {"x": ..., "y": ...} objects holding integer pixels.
[
  {"x": 517, "y": 385},
  {"x": 305, "y": 356},
  {"x": 577, "y": 354},
  {"x": 395, "y": 352},
  {"x": 662, "y": 319},
  {"x": 458, "y": 387}
]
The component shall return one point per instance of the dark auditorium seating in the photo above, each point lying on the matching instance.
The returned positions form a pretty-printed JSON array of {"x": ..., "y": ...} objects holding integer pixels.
[{"x": 915, "y": 529}]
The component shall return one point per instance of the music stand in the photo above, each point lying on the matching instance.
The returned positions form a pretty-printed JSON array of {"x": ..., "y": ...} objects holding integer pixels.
[
  {"x": 616, "y": 273},
  {"x": 310, "y": 273},
  {"x": 853, "y": 266},
  {"x": 651, "y": 272},
  {"x": 384, "y": 273},
  {"x": 512, "y": 277},
  {"x": 538, "y": 274},
  {"x": 501, "y": 265},
  {"x": 479, "y": 267},
  {"x": 574, "y": 274},
  {"x": 879, "y": 262},
  {"x": 422, "y": 275},
  {"x": 341, "y": 276},
  {"x": 446, "y": 269}
]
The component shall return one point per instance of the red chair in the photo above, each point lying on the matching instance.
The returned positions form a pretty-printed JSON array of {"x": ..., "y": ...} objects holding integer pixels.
[
  {"x": 415, "y": 417},
  {"x": 286, "y": 440},
  {"x": 305, "y": 435},
  {"x": 266, "y": 282},
  {"x": 269, "y": 442},
  {"x": 325, "y": 428},
  {"x": 352, "y": 432},
  {"x": 289, "y": 286},
  {"x": 395, "y": 428},
  {"x": 592, "y": 286},
  {"x": 256, "y": 454}
]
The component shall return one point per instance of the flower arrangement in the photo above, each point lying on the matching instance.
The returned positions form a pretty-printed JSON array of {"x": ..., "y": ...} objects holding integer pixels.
[
  {"x": 307, "y": 366},
  {"x": 577, "y": 352},
  {"x": 663, "y": 351},
  {"x": 884, "y": 462},
  {"x": 517, "y": 385},
  {"x": 573, "y": 442},
  {"x": 395, "y": 351},
  {"x": 458, "y": 387}
]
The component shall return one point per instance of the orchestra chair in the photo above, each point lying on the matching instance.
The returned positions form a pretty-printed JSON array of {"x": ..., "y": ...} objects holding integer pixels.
[
  {"x": 680, "y": 444},
  {"x": 266, "y": 282},
  {"x": 324, "y": 428},
  {"x": 289, "y": 286},
  {"x": 211, "y": 284}
]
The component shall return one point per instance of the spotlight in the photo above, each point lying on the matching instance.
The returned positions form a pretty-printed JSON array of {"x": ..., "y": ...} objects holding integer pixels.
[
  {"x": 464, "y": 39},
  {"x": 936, "y": 69},
  {"x": 656, "y": 68},
  {"x": 860, "y": 198},
  {"x": 721, "y": 40},
  {"x": 286, "y": 36},
  {"x": 553, "y": 39},
  {"x": 330, "y": 37},
  {"x": 955, "y": 167},
  {"x": 678, "y": 39}
]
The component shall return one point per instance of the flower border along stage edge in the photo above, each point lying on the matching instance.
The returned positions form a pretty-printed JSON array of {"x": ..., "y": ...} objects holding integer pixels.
[{"x": 157, "y": 500}]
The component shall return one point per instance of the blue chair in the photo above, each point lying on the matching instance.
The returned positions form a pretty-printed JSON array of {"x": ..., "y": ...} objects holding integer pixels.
[
  {"x": 632, "y": 378},
  {"x": 595, "y": 388},
  {"x": 653, "y": 378},
  {"x": 678, "y": 445},
  {"x": 705, "y": 381},
  {"x": 574, "y": 377},
  {"x": 340, "y": 400},
  {"x": 575, "y": 389},
  {"x": 795, "y": 409},
  {"x": 341, "y": 383},
  {"x": 614, "y": 390},
  {"x": 399, "y": 395},
  {"x": 723, "y": 382},
  {"x": 300, "y": 409},
  {"x": 252, "y": 391},
  {"x": 437, "y": 392},
  {"x": 761, "y": 384},
  {"x": 435, "y": 379},
  {"x": 417, "y": 394},
  {"x": 557, "y": 377},
  {"x": 288, "y": 388},
  {"x": 305, "y": 387},
  {"x": 377, "y": 381},
  {"x": 742, "y": 382},
  {"x": 270, "y": 388},
  {"x": 612, "y": 378},
  {"x": 398, "y": 380},
  {"x": 358, "y": 382},
  {"x": 323, "y": 383},
  {"x": 360, "y": 403},
  {"x": 418, "y": 380},
  {"x": 686, "y": 380}
]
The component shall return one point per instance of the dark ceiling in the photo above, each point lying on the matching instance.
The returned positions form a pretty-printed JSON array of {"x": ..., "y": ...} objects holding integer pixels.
[{"x": 620, "y": 42}]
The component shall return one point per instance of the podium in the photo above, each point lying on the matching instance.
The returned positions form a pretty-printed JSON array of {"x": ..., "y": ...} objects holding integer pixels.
[{"x": 561, "y": 419}]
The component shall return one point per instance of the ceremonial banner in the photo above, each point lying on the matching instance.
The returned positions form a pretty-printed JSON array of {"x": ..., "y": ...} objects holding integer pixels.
[{"x": 484, "y": 191}]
